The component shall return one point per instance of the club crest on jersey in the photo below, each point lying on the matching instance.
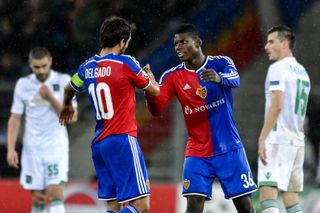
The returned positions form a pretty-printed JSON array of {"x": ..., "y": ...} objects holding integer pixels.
[
  {"x": 56, "y": 87},
  {"x": 186, "y": 184},
  {"x": 28, "y": 179},
  {"x": 202, "y": 92}
]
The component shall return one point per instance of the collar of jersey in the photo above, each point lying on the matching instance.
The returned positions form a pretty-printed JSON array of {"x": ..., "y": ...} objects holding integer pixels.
[
  {"x": 199, "y": 69},
  {"x": 99, "y": 56}
]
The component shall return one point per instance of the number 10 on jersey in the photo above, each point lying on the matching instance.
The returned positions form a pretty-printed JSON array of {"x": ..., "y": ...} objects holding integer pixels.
[{"x": 101, "y": 97}]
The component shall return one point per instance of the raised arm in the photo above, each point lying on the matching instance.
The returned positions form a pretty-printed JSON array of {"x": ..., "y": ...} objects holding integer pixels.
[{"x": 157, "y": 104}]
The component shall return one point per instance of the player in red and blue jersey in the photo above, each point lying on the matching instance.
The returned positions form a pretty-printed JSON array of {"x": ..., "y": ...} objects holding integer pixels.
[
  {"x": 203, "y": 85},
  {"x": 109, "y": 80}
]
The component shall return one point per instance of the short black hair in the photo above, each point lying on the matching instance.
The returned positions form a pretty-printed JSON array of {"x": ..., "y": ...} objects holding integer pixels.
[
  {"x": 190, "y": 29},
  {"x": 284, "y": 33},
  {"x": 39, "y": 53},
  {"x": 113, "y": 30}
]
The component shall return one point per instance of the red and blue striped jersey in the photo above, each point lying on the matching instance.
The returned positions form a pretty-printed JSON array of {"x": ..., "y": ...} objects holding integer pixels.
[
  {"x": 207, "y": 106},
  {"x": 110, "y": 82}
]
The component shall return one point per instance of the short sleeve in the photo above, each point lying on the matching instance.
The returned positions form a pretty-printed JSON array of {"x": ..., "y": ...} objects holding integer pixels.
[
  {"x": 136, "y": 75},
  {"x": 18, "y": 103},
  {"x": 77, "y": 79},
  {"x": 276, "y": 76}
]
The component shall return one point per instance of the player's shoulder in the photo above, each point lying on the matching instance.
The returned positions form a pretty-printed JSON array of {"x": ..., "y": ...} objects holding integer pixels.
[
  {"x": 129, "y": 59},
  {"x": 26, "y": 80},
  {"x": 278, "y": 68},
  {"x": 88, "y": 61},
  {"x": 59, "y": 76},
  {"x": 171, "y": 71},
  {"x": 221, "y": 59}
]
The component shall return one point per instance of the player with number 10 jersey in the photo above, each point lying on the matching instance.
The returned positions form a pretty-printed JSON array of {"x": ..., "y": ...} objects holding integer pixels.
[{"x": 108, "y": 82}]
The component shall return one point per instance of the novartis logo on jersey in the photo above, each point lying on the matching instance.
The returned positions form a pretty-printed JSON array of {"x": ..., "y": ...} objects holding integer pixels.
[
  {"x": 98, "y": 72},
  {"x": 188, "y": 110}
]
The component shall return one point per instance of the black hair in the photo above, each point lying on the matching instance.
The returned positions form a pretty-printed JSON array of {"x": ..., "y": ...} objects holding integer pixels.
[
  {"x": 39, "y": 53},
  {"x": 190, "y": 29},
  {"x": 113, "y": 30},
  {"x": 284, "y": 33}
]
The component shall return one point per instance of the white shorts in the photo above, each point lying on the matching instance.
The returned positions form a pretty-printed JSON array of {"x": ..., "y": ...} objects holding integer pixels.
[
  {"x": 40, "y": 171},
  {"x": 284, "y": 168}
]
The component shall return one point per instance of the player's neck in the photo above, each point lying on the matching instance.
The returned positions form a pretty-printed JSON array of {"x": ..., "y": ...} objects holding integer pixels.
[
  {"x": 285, "y": 55},
  {"x": 196, "y": 62},
  {"x": 106, "y": 51}
]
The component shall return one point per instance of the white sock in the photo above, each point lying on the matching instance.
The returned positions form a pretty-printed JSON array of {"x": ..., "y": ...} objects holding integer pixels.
[
  {"x": 57, "y": 206},
  {"x": 271, "y": 210}
]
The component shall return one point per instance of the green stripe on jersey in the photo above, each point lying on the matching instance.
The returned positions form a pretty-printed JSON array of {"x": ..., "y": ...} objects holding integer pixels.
[{"x": 77, "y": 81}]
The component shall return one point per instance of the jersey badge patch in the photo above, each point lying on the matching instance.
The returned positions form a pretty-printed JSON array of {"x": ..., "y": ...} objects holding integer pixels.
[
  {"x": 202, "y": 92},
  {"x": 186, "y": 184},
  {"x": 56, "y": 87},
  {"x": 28, "y": 179},
  {"x": 268, "y": 175}
]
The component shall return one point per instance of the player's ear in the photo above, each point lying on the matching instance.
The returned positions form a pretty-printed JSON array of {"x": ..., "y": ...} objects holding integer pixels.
[{"x": 198, "y": 42}]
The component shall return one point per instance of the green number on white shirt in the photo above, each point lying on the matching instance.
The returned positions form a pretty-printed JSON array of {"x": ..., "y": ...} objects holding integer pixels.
[
  {"x": 301, "y": 97},
  {"x": 101, "y": 90}
]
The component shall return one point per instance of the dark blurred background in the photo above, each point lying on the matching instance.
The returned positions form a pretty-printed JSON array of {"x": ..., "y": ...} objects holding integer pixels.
[{"x": 237, "y": 28}]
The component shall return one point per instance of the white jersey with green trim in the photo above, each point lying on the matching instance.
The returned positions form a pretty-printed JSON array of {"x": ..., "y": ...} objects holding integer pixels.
[
  {"x": 43, "y": 133},
  {"x": 289, "y": 76}
]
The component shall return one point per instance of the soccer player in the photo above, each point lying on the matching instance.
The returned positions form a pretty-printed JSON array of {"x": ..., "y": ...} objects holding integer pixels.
[
  {"x": 281, "y": 141},
  {"x": 203, "y": 85},
  {"x": 109, "y": 80},
  {"x": 45, "y": 153}
]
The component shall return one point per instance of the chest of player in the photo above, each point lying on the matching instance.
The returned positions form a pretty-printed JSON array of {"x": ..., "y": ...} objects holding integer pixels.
[
  {"x": 31, "y": 94},
  {"x": 191, "y": 91}
]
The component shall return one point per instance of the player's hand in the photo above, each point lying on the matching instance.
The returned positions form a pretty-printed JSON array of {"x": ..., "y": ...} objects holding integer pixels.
[
  {"x": 45, "y": 92},
  {"x": 262, "y": 152},
  {"x": 209, "y": 75},
  {"x": 12, "y": 158},
  {"x": 147, "y": 69},
  {"x": 66, "y": 114}
]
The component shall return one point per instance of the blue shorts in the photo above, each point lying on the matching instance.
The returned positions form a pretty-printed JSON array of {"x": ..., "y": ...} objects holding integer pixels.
[
  {"x": 232, "y": 170},
  {"x": 120, "y": 168}
]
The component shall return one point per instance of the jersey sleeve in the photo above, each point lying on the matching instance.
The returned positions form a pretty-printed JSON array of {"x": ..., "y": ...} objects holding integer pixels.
[
  {"x": 156, "y": 104},
  {"x": 228, "y": 72},
  {"x": 18, "y": 103},
  {"x": 136, "y": 75},
  {"x": 77, "y": 80},
  {"x": 276, "y": 77}
]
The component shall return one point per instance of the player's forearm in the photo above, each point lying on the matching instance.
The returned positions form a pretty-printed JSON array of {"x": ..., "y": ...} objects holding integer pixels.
[
  {"x": 12, "y": 132},
  {"x": 55, "y": 104},
  {"x": 270, "y": 120},
  {"x": 154, "y": 106},
  {"x": 69, "y": 93},
  {"x": 153, "y": 89}
]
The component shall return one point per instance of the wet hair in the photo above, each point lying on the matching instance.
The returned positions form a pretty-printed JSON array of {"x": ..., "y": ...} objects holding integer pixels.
[
  {"x": 113, "y": 30},
  {"x": 190, "y": 29},
  {"x": 39, "y": 53},
  {"x": 284, "y": 33}
]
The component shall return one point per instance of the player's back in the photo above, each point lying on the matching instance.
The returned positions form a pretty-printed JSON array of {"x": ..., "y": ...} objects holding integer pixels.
[
  {"x": 296, "y": 86},
  {"x": 110, "y": 82}
]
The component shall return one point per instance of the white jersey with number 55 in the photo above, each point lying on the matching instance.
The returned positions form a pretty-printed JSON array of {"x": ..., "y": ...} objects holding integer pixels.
[{"x": 289, "y": 76}]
